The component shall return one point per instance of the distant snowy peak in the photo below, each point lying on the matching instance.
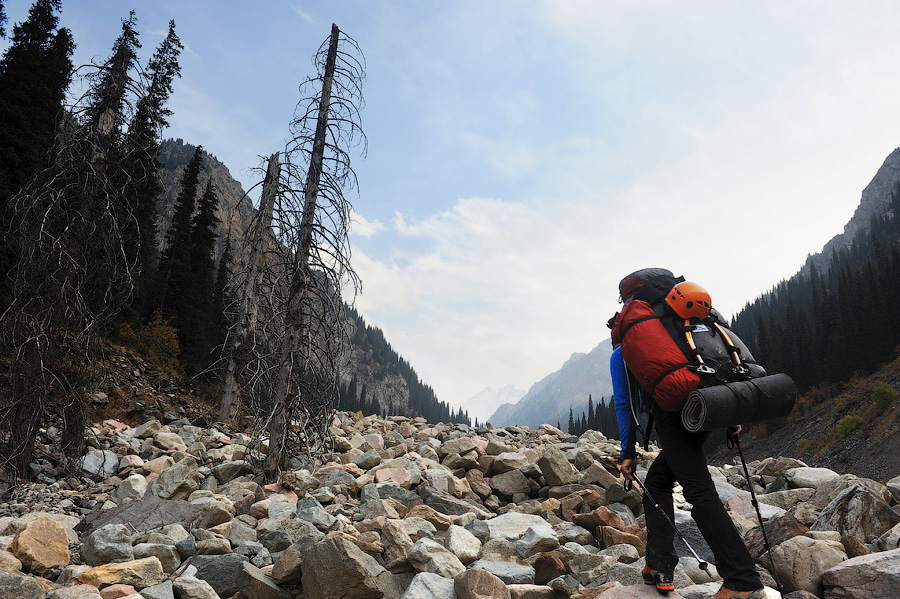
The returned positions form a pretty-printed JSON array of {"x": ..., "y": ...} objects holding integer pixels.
[{"x": 481, "y": 405}]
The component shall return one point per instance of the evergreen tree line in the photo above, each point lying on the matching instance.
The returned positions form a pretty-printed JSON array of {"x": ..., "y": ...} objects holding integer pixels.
[
  {"x": 189, "y": 290},
  {"x": 385, "y": 361},
  {"x": 182, "y": 285},
  {"x": 823, "y": 327},
  {"x": 602, "y": 419}
]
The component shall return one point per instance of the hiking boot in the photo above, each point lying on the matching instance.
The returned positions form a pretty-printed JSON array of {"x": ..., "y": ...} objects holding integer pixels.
[
  {"x": 662, "y": 580},
  {"x": 726, "y": 593}
]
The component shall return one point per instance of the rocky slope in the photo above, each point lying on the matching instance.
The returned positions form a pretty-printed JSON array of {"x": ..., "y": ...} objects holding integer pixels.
[
  {"x": 812, "y": 430},
  {"x": 165, "y": 509}
]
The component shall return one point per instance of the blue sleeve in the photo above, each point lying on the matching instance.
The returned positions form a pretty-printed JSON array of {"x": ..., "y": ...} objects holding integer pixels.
[{"x": 622, "y": 397}]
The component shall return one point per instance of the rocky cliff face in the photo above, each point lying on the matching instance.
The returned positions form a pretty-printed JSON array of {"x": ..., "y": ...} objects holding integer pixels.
[
  {"x": 876, "y": 199},
  {"x": 235, "y": 210}
]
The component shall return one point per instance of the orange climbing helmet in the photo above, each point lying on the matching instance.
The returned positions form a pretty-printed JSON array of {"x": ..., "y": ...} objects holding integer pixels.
[{"x": 689, "y": 300}]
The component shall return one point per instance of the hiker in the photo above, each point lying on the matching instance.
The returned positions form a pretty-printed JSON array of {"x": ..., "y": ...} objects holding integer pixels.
[{"x": 682, "y": 459}]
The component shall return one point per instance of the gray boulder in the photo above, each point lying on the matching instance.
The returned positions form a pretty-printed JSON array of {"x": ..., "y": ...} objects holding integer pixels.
[
  {"x": 190, "y": 587},
  {"x": 802, "y": 561},
  {"x": 512, "y": 525},
  {"x": 133, "y": 487},
  {"x": 255, "y": 584},
  {"x": 310, "y": 510},
  {"x": 556, "y": 468},
  {"x": 107, "y": 544},
  {"x": 427, "y": 555},
  {"x": 166, "y": 554},
  {"x": 510, "y": 460},
  {"x": 426, "y": 585},
  {"x": 588, "y": 567},
  {"x": 510, "y": 483},
  {"x": 857, "y": 512},
  {"x": 508, "y": 572},
  {"x": 462, "y": 543},
  {"x": 826, "y": 492},
  {"x": 146, "y": 430},
  {"x": 893, "y": 486},
  {"x": 20, "y": 587},
  {"x": 224, "y": 573},
  {"x": 537, "y": 539},
  {"x": 889, "y": 540},
  {"x": 337, "y": 569},
  {"x": 809, "y": 477},
  {"x": 178, "y": 481},
  {"x": 864, "y": 577},
  {"x": 368, "y": 460},
  {"x": 458, "y": 445},
  {"x": 477, "y": 584},
  {"x": 163, "y": 590},
  {"x": 99, "y": 463},
  {"x": 230, "y": 470}
]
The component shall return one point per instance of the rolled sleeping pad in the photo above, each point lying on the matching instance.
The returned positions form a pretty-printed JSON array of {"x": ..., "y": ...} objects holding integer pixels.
[{"x": 742, "y": 402}]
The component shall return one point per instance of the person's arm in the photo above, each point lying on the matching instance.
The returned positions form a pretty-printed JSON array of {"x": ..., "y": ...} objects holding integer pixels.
[{"x": 622, "y": 398}]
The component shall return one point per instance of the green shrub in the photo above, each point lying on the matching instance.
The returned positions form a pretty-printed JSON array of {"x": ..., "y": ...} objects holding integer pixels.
[
  {"x": 884, "y": 395},
  {"x": 848, "y": 424},
  {"x": 803, "y": 444}
]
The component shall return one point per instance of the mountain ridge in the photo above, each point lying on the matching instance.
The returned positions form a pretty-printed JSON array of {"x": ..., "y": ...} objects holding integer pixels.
[{"x": 549, "y": 400}]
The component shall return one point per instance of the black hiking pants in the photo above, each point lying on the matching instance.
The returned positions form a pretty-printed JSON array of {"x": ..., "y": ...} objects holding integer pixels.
[{"x": 682, "y": 459}]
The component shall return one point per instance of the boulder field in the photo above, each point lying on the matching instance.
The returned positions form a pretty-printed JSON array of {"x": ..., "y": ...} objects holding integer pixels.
[{"x": 405, "y": 509}]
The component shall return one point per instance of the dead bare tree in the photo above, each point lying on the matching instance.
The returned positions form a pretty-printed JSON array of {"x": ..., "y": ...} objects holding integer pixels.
[
  {"x": 291, "y": 327},
  {"x": 246, "y": 286},
  {"x": 76, "y": 269}
]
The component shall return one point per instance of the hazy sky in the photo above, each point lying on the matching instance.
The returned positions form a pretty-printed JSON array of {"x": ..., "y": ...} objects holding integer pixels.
[{"x": 525, "y": 155}]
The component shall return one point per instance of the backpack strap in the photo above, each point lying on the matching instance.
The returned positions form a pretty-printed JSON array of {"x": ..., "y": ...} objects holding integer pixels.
[
  {"x": 666, "y": 373},
  {"x": 628, "y": 326},
  {"x": 636, "y": 393},
  {"x": 703, "y": 368},
  {"x": 732, "y": 349}
]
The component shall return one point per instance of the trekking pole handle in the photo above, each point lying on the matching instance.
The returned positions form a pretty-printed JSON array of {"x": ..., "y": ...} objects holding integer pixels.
[{"x": 732, "y": 438}]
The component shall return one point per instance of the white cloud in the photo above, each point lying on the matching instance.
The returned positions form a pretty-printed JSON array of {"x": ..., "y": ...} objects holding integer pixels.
[
  {"x": 303, "y": 15},
  {"x": 364, "y": 227}
]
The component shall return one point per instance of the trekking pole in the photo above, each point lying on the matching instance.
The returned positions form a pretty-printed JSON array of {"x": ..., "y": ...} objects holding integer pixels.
[
  {"x": 703, "y": 565},
  {"x": 734, "y": 440}
]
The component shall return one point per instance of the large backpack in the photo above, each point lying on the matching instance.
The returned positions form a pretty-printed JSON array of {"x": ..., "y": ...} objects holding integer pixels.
[{"x": 667, "y": 357}]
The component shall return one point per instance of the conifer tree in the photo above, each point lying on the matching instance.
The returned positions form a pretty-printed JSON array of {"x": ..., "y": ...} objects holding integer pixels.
[
  {"x": 143, "y": 142},
  {"x": 197, "y": 304},
  {"x": 174, "y": 273},
  {"x": 34, "y": 74}
]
